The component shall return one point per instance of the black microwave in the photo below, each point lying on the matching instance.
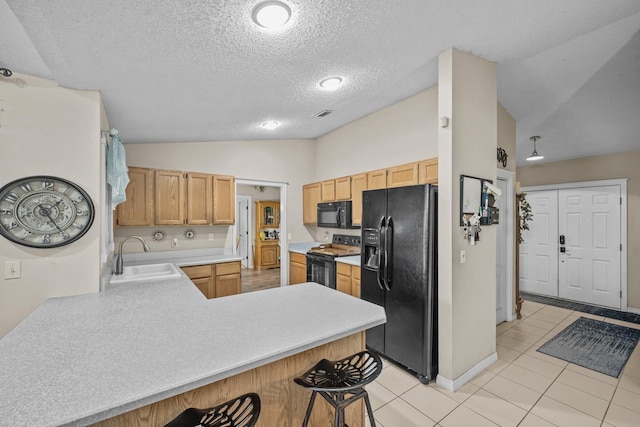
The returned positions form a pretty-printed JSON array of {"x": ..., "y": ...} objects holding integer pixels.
[{"x": 335, "y": 215}]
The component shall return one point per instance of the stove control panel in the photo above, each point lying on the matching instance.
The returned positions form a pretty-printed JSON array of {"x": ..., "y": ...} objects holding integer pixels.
[{"x": 345, "y": 239}]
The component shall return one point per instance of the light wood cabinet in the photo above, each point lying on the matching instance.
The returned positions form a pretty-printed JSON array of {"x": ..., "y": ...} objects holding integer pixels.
[
  {"x": 297, "y": 268},
  {"x": 267, "y": 214},
  {"x": 403, "y": 175},
  {"x": 216, "y": 280},
  {"x": 329, "y": 190},
  {"x": 224, "y": 200},
  {"x": 358, "y": 185},
  {"x": 138, "y": 208},
  {"x": 199, "y": 199},
  {"x": 343, "y": 188},
  {"x": 169, "y": 197},
  {"x": 311, "y": 196},
  {"x": 267, "y": 254},
  {"x": 348, "y": 279},
  {"x": 428, "y": 173},
  {"x": 377, "y": 179}
]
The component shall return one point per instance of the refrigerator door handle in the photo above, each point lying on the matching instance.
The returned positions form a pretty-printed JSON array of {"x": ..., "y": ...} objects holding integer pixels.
[
  {"x": 381, "y": 259},
  {"x": 388, "y": 242}
]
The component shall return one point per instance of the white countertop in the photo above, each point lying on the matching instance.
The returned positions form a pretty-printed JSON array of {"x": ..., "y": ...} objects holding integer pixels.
[
  {"x": 302, "y": 248},
  {"x": 81, "y": 359},
  {"x": 352, "y": 260}
]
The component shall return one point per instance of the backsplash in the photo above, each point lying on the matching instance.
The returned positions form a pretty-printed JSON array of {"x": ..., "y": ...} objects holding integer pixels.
[{"x": 204, "y": 237}]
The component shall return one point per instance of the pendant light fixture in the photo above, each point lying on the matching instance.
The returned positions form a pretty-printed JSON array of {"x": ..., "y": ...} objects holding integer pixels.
[{"x": 534, "y": 155}]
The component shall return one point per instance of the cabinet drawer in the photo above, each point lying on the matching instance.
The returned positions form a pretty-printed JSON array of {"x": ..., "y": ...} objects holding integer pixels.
[
  {"x": 344, "y": 269},
  {"x": 197, "y": 271},
  {"x": 227, "y": 268},
  {"x": 355, "y": 272},
  {"x": 296, "y": 257}
]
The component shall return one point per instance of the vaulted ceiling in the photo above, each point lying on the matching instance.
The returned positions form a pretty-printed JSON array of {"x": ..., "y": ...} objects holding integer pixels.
[{"x": 202, "y": 70}]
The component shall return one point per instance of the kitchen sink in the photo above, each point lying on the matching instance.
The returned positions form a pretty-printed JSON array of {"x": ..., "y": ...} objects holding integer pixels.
[{"x": 136, "y": 273}]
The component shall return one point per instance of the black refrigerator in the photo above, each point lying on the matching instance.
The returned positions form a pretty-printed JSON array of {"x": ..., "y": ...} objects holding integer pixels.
[{"x": 400, "y": 273}]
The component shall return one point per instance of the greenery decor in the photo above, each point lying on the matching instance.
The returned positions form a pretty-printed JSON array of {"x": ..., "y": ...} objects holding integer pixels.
[{"x": 525, "y": 214}]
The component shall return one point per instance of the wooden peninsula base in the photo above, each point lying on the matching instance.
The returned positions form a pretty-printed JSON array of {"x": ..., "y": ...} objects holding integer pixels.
[{"x": 283, "y": 402}]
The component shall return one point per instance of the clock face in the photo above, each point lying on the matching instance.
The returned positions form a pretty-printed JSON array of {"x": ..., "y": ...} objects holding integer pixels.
[{"x": 44, "y": 212}]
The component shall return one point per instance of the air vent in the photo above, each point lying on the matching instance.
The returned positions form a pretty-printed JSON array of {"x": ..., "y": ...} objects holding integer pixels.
[{"x": 322, "y": 113}]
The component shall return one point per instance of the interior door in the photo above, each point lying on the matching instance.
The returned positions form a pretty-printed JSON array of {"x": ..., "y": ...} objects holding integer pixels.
[
  {"x": 243, "y": 231},
  {"x": 501, "y": 256},
  {"x": 589, "y": 269},
  {"x": 539, "y": 251}
]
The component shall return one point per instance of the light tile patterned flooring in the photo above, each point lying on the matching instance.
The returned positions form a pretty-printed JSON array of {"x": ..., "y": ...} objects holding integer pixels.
[{"x": 522, "y": 388}]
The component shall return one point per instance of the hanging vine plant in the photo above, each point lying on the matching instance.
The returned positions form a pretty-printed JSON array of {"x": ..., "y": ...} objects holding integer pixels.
[{"x": 525, "y": 214}]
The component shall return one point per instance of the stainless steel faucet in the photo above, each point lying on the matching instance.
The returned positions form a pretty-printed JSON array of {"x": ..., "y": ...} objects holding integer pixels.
[{"x": 119, "y": 261}]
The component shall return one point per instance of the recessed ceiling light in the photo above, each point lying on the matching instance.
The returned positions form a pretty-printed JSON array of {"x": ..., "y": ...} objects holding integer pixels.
[
  {"x": 270, "y": 125},
  {"x": 331, "y": 83},
  {"x": 271, "y": 14}
]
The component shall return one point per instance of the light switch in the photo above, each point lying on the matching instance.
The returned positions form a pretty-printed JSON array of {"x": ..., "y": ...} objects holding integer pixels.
[
  {"x": 463, "y": 256},
  {"x": 12, "y": 270}
]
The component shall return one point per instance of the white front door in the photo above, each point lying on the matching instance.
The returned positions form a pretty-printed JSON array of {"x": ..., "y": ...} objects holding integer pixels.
[
  {"x": 501, "y": 256},
  {"x": 589, "y": 269},
  {"x": 539, "y": 251}
]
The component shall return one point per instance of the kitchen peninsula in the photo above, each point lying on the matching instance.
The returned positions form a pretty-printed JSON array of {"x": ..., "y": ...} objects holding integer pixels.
[{"x": 140, "y": 353}]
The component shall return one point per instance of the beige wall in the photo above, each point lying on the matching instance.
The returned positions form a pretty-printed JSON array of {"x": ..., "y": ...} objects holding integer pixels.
[
  {"x": 507, "y": 137},
  {"x": 467, "y": 292},
  {"x": 290, "y": 161},
  {"x": 619, "y": 165},
  {"x": 48, "y": 130}
]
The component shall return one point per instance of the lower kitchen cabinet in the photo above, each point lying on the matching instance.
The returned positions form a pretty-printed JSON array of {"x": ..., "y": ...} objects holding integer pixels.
[
  {"x": 267, "y": 254},
  {"x": 348, "y": 279},
  {"x": 297, "y": 268},
  {"x": 216, "y": 280}
]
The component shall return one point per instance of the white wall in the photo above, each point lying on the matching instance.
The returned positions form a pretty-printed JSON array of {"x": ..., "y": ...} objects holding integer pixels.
[
  {"x": 48, "y": 130},
  {"x": 268, "y": 193},
  {"x": 290, "y": 161}
]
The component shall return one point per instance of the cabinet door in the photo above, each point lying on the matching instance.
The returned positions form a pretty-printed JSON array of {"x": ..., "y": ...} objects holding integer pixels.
[
  {"x": 329, "y": 190},
  {"x": 343, "y": 188},
  {"x": 205, "y": 285},
  {"x": 268, "y": 214},
  {"x": 199, "y": 199},
  {"x": 226, "y": 285},
  {"x": 377, "y": 179},
  {"x": 268, "y": 255},
  {"x": 343, "y": 283},
  {"x": 355, "y": 281},
  {"x": 310, "y": 199},
  {"x": 400, "y": 176},
  {"x": 169, "y": 197},
  {"x": 138, "y": 208},
  {"x": 428, "y": 173},
  {"x": 358, "y": 185},
  {"x": 224, "y": 200}
]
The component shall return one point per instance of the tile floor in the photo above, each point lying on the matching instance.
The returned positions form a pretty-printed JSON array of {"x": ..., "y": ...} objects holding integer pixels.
[{"x": 522, "y": 388}]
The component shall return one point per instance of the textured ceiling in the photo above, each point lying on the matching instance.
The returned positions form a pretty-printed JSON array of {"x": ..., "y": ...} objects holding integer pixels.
[{"x": 201, "y": 70}]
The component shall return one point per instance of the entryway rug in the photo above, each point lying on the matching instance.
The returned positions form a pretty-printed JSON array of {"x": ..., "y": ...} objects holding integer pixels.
[{"x": 593, "y": 344}]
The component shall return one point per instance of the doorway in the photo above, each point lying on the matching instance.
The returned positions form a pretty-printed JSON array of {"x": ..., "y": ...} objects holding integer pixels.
[
  {"x": 243, "y": 229},
  {"x": 575, "y": 247}
]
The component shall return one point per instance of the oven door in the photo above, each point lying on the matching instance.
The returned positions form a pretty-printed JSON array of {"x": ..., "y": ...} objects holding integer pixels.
[{"x": 321, "y": 269}]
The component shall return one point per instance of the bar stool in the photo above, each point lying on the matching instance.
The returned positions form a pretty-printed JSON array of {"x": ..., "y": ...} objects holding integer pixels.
[
  {"x": 243, "y": 411},
  {"x": 335, "y": 380}
]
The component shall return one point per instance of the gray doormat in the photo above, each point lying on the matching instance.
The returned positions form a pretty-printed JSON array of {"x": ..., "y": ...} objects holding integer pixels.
[{"x": 600, "y": 346}]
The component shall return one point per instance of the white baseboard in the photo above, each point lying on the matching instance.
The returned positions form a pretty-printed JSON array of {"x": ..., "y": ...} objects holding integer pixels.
[
  {"x": 633, "y": 310},
  {"x": 467, "y": 376}
]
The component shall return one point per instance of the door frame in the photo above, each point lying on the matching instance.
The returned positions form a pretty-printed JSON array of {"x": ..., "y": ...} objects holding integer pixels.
[
  {"x": 509, "y": 231},
  {"x": 622, "y": 183},
  {"x": 250, "y": 227},
  {"x": 284, "y": 235}
]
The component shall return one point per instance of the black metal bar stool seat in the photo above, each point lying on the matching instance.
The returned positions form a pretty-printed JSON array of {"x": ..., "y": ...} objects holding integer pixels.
[
  {"x": 342, "y": 383},
  {"x": 243, "y": 411}
]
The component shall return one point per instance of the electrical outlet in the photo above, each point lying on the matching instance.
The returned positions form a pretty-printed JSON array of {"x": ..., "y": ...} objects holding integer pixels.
[
  {"x": 174, "y": 242},
  {"x": 289, "y": 236},
  {"x": 463, "y": 256},
  {"x": 12, "y": 270},
  {"x": 210, "y": 236}
]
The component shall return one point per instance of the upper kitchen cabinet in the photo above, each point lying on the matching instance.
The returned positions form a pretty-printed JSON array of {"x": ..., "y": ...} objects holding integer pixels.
[
  {"x": 400, "y": 176},
  {"x": 224, "y": 200},
  {"x": 343, "y": 188},
  {"x": 138, "y": 208},
  {"x": 329, "y": 190},
  {"x": 358, "y": 185},
  {"x": 311, "y": 196},
  {"x": 169, "y": 197},
  {"x": 428, "y": 173},
  {"x": 199, "y": 199},
  {"x": 377, "y": 179},
  {"x": 268, "y": 214}
]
